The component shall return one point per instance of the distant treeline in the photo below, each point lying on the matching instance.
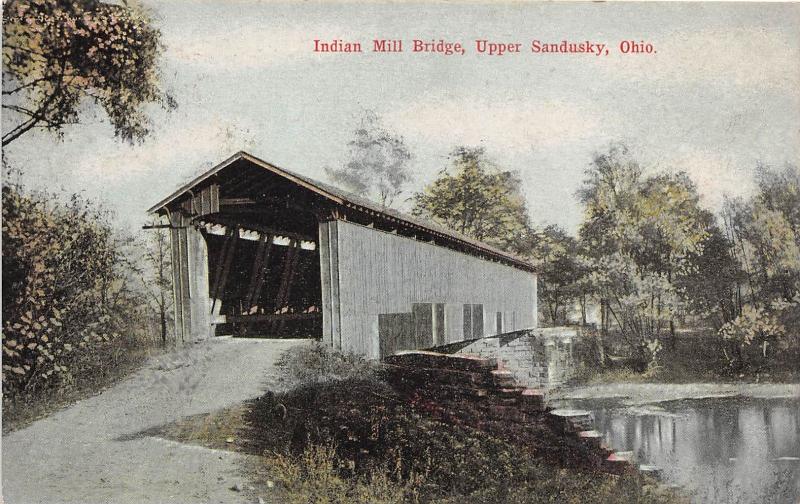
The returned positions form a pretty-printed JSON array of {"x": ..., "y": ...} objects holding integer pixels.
[{"x": 647, "y": 254}]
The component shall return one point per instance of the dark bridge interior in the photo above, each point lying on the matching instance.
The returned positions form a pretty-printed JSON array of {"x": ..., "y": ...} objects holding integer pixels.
[{"x": 264, "y": 272}]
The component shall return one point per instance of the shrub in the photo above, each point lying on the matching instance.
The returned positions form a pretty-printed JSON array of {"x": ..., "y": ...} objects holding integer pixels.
[
  {"x": 749, "y": 337},
  {"x": 318, "y": 363},
  {"x": 65, "y": 296}
]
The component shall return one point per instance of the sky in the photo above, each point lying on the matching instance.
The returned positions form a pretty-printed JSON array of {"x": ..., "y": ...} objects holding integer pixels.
[{"x": 720, "y": 94}]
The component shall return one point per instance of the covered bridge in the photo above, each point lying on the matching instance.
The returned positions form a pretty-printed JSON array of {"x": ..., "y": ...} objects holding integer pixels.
[{"x": 260, "y": 251}]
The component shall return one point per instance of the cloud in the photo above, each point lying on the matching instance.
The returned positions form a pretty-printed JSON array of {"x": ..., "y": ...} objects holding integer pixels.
[
  {"x": 509, "y": 125},
  {"x": 175, "y": 150},
  {"x": 751, "y": 58},
  {"x": 248, "y": 47},
  {"x": 716, "y": 175}
]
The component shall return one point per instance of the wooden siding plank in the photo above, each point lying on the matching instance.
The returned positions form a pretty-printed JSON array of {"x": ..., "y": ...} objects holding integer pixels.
[
  {"x": 186, "y": 313},
  {"x": 439, "y": 324},
  {"x": 380, "y": 273},
  {"x": 325, "y": 282},
  {"x": 423, "y": 325},
  {"x": 177, "y": 291},
  {"x": 477, "y": 321},
  {"x": 336, "y": 305},
  {"x": 467, "y": 320}
]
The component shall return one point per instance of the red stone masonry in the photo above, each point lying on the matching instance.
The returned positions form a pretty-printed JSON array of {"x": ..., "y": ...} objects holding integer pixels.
[{"x": 471, "y": 391}]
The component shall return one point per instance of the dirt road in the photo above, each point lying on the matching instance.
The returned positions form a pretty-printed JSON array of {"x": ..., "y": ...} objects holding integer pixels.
[{"x": 79, "y": 455}]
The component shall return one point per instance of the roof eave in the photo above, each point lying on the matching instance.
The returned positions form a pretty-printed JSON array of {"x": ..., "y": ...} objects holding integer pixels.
[
  {"x": 336, "y": 199},
  {"x": 236, "y": 157},
  {"x": 180, "y": 191}
]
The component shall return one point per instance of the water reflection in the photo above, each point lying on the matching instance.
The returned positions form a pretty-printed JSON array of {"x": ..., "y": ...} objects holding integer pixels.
[{"x": 721, "y": 450}]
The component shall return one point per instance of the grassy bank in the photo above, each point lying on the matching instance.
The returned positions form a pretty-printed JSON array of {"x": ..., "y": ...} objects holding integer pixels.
[
  {"x": 350, "y": 442},
  {"x": 693, "y": 357},
  {"x": 341, "y": 434},
  {"x": 358, "y": 441}
]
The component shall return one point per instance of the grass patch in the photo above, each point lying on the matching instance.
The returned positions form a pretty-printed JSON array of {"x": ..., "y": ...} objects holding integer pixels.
[
  {"x": 315, "y": 476},
  {"x": 220, "y": 430},
  {"x": 360, "y": 441},
  {"x": 318, "y": 363}
]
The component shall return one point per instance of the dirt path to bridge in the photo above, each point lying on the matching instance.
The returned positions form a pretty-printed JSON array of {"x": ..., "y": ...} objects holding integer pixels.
[{"x": 88, "y": 453}]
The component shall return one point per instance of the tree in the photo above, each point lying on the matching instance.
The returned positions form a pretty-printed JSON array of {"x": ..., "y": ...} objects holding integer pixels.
[
  {"x": 670, "y": 222},
  {"x": 379, "y": 162},
  {"x": 156, "y": 278},
  {"x": 657, "y": 220},
  {"x": 477, "y": 199},
  {"x": 771, "y": 226},
  {"x": 561, "y": 271},
  {"x": 712, "y": 283},
  {"x": 608, "y": 194},
  {"x": 640, "y": 303},
  {"x": 765, "y": 245},
  {"x": 765, "y": 232},
  {"x": 59, "y": 54},
  {"x": 641, "y": 232}
]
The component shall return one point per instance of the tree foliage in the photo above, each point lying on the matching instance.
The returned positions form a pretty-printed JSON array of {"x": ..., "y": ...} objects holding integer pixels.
[
  {"x": 658, "y": 256},
  {"x": 766, "y": 234},
  {"x": 641, "y": 303},
  {"x": 379, "y": 162},
  {"x": 642, "y": 233},
  {"x": 562, "y": 270},
  {"x": 66, "y": 297},
  {"x": 608, "y": 194},
  {"x": 59, "y": 54},
  {"x": 765, "y": 245},
  {"x": 476, "y": 198},
  {"x": 752, "y": 336},
  {"x": 711, "y": 281},
  {"x": 656, "y": 220}
]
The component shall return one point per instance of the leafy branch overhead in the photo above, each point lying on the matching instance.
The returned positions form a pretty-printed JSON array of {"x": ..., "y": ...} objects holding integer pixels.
[{"x": 59, "y": 55}]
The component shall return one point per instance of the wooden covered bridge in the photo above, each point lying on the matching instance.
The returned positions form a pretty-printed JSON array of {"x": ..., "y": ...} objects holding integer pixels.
[{"x": 260, "y": 251}]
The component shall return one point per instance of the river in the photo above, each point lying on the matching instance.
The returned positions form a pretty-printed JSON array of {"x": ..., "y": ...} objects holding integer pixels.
[{"x": 718, "y": 445}]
